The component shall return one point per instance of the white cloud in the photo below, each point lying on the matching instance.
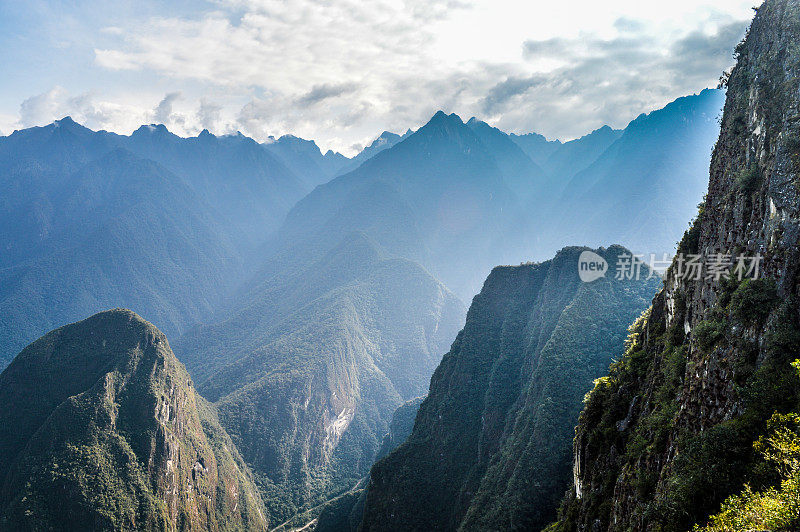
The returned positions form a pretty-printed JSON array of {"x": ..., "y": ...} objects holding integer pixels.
[
  {"x": 84, "y": 108},
  {"x": 42, "y": 108},
  {"x": 341, "y": 71},
  {"x": 209, "y": 115},
  {"x": 163, "y": 114}
]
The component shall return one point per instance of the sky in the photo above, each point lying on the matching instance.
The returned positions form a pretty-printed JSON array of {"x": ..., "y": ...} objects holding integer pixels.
[{"x": 342, "y": 71}]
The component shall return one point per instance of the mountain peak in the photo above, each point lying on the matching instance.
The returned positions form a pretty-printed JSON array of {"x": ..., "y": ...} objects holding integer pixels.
[
  {"x": 443, "y": 118},
  {"x": 110, "y": 386},
  {"x": 151, "y": 129},
  {"x": 66, "y": 121},
  {"x": 441, "y": 121},
  {"x": 68, "y": 124}
]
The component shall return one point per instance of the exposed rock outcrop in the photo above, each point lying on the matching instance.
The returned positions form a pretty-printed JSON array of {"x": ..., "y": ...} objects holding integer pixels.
[{"x": 669, "y": 434}]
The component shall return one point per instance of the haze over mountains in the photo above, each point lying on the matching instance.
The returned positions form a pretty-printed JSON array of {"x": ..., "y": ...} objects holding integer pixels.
[
  {"x": 197, "y": 212},
  {"x": 696, "y": 425},
  {"x": 308, "y": 370},
  {"x": 310, "y": 295}
]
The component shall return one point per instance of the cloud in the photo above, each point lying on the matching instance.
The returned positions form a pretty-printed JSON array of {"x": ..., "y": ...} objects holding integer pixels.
[
  {"x": 163, "y": 114},
  {"x": 598, "y": 80},
  {"x": 84, "y": 108},
  {"x": 505, "y": 91},
  {"x": 209, "y": 114},
  {"x": 697, "y": 53},
  {"x": 628, "y": 25},
  {"x": 321, "y": 92},
  {"x": 341, "y": 71},
  {"x": 42, "y": 108}
]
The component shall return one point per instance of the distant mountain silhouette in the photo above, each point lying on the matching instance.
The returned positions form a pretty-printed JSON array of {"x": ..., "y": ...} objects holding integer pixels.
[
  {"x": 306, "y": 160},
  {"x": 650, "y": 178}
]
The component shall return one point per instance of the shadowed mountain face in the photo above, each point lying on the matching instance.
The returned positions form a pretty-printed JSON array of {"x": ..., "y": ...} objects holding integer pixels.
[
  {"x": 108, "y": 433},
  {"x": 644, "y": 186},
  {"x": 119, "y": 230},
  {"x": 249, "y": 187},
  {"x": 308, "y": 370},
  {"x": 490, "y": 445},
  {"x": 442, "y": 197},
  {"x": 91, "y": 220}
]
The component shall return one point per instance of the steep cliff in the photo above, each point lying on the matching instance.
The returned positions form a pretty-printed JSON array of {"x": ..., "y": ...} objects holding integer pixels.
[
  {"x": 490, "y": 444},
  {"x": 109, "y": 434},
  {"x": 670, "y": 432}
]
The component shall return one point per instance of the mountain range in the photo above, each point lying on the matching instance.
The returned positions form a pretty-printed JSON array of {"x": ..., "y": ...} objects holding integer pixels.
[
  {"x": 309, "y": 369},
  {"x": 309, "y": 295},
  {"x": 696, "y": 425}
]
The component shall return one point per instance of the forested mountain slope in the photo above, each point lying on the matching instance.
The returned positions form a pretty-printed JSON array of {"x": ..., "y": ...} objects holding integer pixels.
[
  {"x": 309, "y": 368},
  {"x": 123, "y": 230},
  {"x": 705, "y": 400},
  {"x": 344, "y": 512},
  {"x": 104, "y": 431},
  {"x": 490, "y": 444},
  {"x": 93, "y": 220}
]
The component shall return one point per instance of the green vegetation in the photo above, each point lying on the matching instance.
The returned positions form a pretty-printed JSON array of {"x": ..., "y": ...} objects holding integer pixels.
[
  {"x": 114, "y": 437},
  {"x": 490, "y": 449},
  {"x": 774, "y": 508},
  {"x": 714, "y": 462},
  {"x": 748, "y": 179},
  {"x": 704, "y": 401},
  {"x": 310, "y": 368},
  {"x": 753, "y": 300},
  {"x": 690, "y": 242}
]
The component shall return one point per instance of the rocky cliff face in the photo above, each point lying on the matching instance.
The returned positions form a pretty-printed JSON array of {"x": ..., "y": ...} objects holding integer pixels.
[
  {"x": 490, "y": 444},
  {"x": 669, "y": 433},
  {"x": 109, "y": 434}
]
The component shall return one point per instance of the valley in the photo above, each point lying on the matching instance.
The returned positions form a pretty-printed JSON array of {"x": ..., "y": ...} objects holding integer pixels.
[{"x": 225, "y": 331}]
